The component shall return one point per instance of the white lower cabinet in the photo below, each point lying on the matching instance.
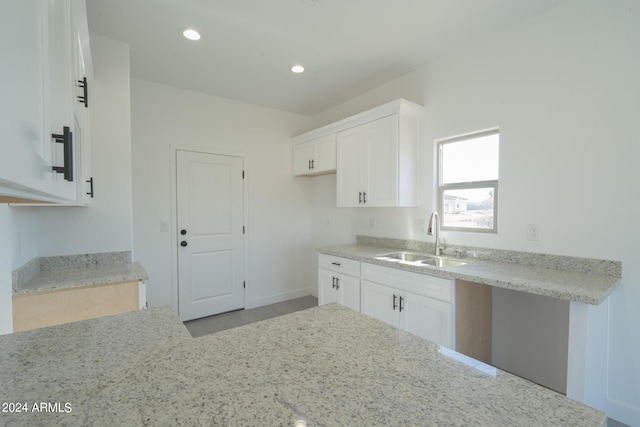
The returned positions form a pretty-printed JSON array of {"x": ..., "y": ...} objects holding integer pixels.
[
  {"x": 417, "y": 303},
  {"x": 340, "y": 288},
  {"x": 422, "y": 316},
  {"x": 339, "y": 281}
]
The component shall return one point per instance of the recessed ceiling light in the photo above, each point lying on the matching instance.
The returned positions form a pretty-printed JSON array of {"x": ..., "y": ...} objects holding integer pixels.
[
  {"x": 297, "y": 69},
  {"x": 191, "y": 34}
]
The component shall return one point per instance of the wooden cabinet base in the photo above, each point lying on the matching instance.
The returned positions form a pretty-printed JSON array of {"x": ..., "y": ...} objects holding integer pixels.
[{"x": 37, "y": 310}]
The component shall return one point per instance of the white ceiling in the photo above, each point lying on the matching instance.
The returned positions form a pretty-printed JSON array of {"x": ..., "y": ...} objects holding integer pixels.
[{"x": 248, "y": 46}]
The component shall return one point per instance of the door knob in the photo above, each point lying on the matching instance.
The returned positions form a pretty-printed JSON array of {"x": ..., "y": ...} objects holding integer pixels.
[
  {"x": 183, "y": 231},
  {"x": 183, "y": 243}
]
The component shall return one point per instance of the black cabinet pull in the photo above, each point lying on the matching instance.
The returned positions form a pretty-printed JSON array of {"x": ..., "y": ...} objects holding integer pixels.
[
  {"x": 364, "y": 197},
  {"x": 183, "y": 231},
  {"x": 336, "y": 263},
  {"x": 183, "y": 243},
  {"x": 394, "y": 301},
  {"x": 309, "y": 165},
  {"x": 337, "y": 283},
  {"x": 401, "y": 306},
  {"x": 84, "y": 98},
  {"x": 90, "y": 193},
  {"x": 313, "y": 164},
  {"x": 67, "y": 140},
  {"x": 359, "y": 197}
]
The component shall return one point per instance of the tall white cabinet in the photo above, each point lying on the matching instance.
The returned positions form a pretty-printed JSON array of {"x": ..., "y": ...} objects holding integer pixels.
[{"x": 40, "y": 156}]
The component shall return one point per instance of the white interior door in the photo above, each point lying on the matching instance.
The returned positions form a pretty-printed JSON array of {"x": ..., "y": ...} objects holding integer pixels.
[{"x": 210, "y": 234}]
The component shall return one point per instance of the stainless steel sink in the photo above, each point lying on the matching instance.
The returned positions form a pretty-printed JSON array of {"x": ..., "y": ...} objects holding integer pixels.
[
  {"x": 442, "y": 262},
  {"x": 420, "y": 259},
  {"x": 402, "y": 256}
]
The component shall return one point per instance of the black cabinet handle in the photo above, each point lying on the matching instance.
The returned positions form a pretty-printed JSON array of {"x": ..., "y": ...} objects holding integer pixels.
[
  {"x": 309, "y": 165},
  {"x": 337, "y": 283},
  {"x": 359, "y": 197},
  {"x": 183, "y": 243},
  {"x": 84, "y": 98},
  {"x": 90, "y": 193},
  {"x": 364, "y": 197},
  {"x": 67, "y": 140},
  {"x": 336, "y": 263},
  {"x": 401, "y": 306},
  {"x": 183, "y": 231},
  {"x": 313, "y": 164},
  {"x": 394, "y": 301}
]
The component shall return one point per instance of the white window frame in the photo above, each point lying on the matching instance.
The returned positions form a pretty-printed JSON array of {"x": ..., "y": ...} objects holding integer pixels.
[{"x": 493, "y": 184}]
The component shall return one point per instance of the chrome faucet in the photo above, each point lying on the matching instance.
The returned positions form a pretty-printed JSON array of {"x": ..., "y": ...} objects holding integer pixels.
[{"x": 434, "y": 223}]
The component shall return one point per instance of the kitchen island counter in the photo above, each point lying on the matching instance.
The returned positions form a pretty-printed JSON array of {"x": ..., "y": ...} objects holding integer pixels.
[{"x": 327, "y": 366}]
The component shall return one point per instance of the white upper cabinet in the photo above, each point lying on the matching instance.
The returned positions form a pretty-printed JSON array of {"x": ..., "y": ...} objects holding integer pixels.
[
  {"x": 39, "y": 155},
  {"x": 315, "y": 157},
  {"x": 368, "y": 166},
  {"x": 375, "y": 155}
]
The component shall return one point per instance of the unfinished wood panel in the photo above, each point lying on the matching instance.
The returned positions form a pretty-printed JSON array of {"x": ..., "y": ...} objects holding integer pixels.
[
  {"x": 37, "y": 310},
  {"x": 473, "y": 320}
]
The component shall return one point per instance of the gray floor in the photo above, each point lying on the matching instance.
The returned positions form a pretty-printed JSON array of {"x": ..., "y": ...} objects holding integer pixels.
[{"x": 220, "y": 322}]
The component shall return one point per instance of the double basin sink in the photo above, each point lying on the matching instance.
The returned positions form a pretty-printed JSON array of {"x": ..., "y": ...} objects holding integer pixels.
[{"x": 420, "y": 259}]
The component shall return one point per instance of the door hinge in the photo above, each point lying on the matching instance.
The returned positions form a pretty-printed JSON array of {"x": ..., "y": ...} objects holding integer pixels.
[{"x": 244, "y": 285}]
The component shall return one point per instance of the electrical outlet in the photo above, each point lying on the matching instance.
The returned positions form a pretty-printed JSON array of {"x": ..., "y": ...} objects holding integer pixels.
[
  {"x": 419, "y": 225},
  {"x": 533, "y": 232},
  {"x": 372, "y": 223}
]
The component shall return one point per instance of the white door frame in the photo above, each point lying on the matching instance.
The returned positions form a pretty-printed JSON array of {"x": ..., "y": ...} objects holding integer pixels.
[{"x": 174, "y": 217}]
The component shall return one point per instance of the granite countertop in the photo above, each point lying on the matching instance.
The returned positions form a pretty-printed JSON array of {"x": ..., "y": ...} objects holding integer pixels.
[
  {"x": 327, "y": 365},
  {"x": 73, "y": 271},
  {"x": 574, "y": 279}
]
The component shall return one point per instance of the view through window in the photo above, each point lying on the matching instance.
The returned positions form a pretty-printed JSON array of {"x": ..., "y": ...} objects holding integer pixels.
[{"x": 468, "y": 181}]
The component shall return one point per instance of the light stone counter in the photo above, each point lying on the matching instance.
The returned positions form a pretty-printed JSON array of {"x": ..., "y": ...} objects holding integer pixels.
[
  {"x": 328, "y": 366},
  {"x": 574, "y": 279},
  {"x": 65, "y": 272}
]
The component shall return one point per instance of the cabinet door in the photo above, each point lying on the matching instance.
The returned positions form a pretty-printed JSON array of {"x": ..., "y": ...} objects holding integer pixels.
[
  {"x": 348, "y": 292},
  {"x": 377, "y": 301},
  {"x": 58, "y": 89},
  {"x": 324, "y": 158},
  {"x": 427, "y": 318},
  {"x": 326, "y": 291},
  {"x": 82, "y": 80},
  {"x": 24, "y": 159},
  {"x": 351, "y": 164},
  {"x": 302, "y": 156},
  {"x": 382, "y": 162}
]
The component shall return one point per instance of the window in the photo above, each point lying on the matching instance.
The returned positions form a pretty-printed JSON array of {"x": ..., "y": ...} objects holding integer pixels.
[{"x": 468, "y": 181}]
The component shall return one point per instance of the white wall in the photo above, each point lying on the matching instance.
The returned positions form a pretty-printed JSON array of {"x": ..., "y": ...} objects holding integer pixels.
[
  {"x": 107, "y": 224},
  {"x": 278, "y": 207},
  {"x": 6, "y": 319},
  {"x": 563, "y": 87}
]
